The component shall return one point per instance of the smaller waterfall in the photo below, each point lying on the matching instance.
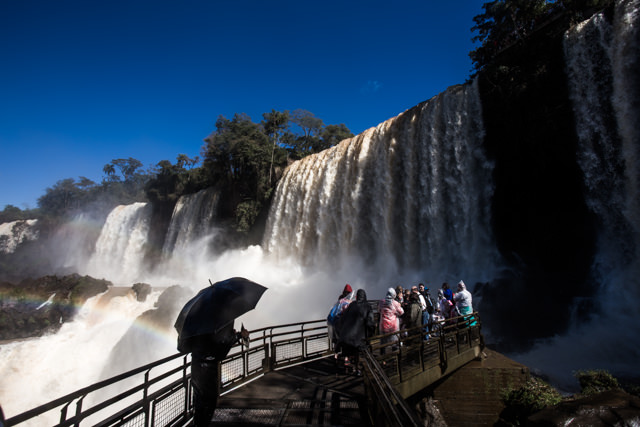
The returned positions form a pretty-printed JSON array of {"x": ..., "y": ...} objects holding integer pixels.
[
  {"x": 120, "y": 249},
  {"x": 191, "y": 220},
  {"x": 14, "y": 233}
]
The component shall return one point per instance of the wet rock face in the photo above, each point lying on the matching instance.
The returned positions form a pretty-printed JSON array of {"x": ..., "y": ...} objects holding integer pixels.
[
  {"x": 542, "y": 224},
  {"x": 609, "y": 408},
  {"x": 37, "y": 306},
  {"x": 142, "y": 291}
]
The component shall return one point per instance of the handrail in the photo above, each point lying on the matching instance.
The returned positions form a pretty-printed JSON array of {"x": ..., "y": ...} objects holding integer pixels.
[
  {"x": 428, "y": 355},
  {"x": 83, "y": 392},
  {"x": 178, "y": 378},
  {"x": 166, "y": 397},
  {"x": 389, "y": 406}
]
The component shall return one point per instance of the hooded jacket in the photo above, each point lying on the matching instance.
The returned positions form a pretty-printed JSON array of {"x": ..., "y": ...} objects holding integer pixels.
[
  {"x": 462, "y": 298},
  {"x": 390, "y": 311},
  {"x": 356, "y": 322}
]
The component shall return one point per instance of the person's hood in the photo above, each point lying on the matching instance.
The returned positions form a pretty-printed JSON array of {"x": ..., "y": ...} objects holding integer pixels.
[
  {"x": 361, "y": 296},
  {"x": 391, "y": 294},
  {"x": 351, "y": 296},
  {"x": 462, "y": 286}
]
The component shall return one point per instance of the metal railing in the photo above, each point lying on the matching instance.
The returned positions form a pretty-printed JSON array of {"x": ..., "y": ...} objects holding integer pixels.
[
  {"x": 413, "y": 358},
  {"x": 274, "y": 347},
  {"x": 159, "y": 394},
  {"x": 386, "y": 406}
]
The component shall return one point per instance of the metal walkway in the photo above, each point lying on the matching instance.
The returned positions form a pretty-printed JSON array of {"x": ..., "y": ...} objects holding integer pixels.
[
  {"x": 313, "y": 393},
  {"x": 287, "y": 376}
]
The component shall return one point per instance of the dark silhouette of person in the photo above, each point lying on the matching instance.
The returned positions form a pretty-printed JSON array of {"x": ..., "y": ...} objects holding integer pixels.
[
  {"x": 206, "y": 352},
  {"x": 354, "y": 326}
]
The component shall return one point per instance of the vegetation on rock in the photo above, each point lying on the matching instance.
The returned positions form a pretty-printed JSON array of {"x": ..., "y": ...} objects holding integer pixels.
[
  {"x": 596, "y": 381},
  {"x": 34, "y": 307},
  {"x": 522, "y": 402}
]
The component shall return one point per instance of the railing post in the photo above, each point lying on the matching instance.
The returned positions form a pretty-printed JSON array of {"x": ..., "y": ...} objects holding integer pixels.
[
  {"x": 145, "y": 400},
  {"x": 79, "y": 410},
  {"x": 187, "y": 388},
  {"x": 442, "y": 348},
  {"x": 63, "y": 412},
  {"x": 303, "y": 342}
]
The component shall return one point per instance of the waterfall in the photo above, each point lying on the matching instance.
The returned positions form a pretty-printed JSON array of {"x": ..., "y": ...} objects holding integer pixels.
[
  {"x": 120, "y": 249},
  {"x": 601, "y": 89},
  {"x": 191, "y": 220},
  {"x": 603, "y": 60},
  {"x": 412, "y": 194},
  {"x": 602, "y": 64},
  {"x": 12, "y": 234}
]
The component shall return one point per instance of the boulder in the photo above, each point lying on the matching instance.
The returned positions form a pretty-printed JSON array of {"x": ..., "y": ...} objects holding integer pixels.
[{"x": 609, "y": 408}]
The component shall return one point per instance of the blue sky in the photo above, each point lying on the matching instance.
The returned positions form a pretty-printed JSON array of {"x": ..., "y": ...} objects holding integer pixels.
[{"x": 85, "y": 82}]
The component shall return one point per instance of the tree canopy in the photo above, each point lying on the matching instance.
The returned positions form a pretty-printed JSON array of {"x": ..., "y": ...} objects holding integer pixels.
[
  {"x": 247, "y": 158},
  {"x": 506, "y": 22}
]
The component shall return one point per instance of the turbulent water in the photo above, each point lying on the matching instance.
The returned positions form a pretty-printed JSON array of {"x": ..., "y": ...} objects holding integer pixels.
[{"x": 35, "y": 371}]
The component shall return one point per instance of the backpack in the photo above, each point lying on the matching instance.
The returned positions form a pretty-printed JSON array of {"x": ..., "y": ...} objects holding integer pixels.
[
  {"x": 336, "y": 311},
  {"x": 430, "y": 305}
]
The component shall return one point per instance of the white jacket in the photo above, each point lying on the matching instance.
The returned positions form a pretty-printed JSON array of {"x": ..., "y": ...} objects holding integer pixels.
[{"x": 462, "y": 298}]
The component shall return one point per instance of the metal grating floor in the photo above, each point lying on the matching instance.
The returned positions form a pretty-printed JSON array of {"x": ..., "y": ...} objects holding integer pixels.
[
  {"x": 292, "y": 413},
  {"x": 315, "y": 393}
]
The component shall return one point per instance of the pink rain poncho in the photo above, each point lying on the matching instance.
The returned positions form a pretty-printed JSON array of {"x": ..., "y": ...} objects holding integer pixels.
[{"x": 390, "y": 311}]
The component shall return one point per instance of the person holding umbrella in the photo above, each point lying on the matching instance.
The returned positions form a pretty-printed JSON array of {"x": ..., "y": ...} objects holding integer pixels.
[
  {"x": 205, "y": 329},
  {"x": 207, "y": 352}
]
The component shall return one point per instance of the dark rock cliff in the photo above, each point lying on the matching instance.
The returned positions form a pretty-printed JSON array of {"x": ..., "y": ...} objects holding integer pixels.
[{"x": 540, "y": 217}]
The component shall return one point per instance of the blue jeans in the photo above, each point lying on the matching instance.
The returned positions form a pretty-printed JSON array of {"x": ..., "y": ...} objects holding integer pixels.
[{"x": 426, "y": 317}]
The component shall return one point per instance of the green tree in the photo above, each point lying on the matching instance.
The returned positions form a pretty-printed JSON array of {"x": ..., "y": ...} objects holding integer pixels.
[
  {"x": 11, "y": 213},
  {"x": 275, "y": 125},
  {"x": 310, "y": 126},
  {"x": 61, "y": 199},
  {"x": 506, "y": 22},
  {"x": 128, "y": 168},
  {"x": 503, "y": 23},
  {"x": 332, "y": 134},
  {"x": 110, "y": 172},
  {"x": 170, "y": 181},
  {"x": 238, "y": 154}
]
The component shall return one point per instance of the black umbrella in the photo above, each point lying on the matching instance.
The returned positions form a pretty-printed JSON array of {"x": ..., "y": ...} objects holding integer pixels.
[{"x": 216, "y": 306}]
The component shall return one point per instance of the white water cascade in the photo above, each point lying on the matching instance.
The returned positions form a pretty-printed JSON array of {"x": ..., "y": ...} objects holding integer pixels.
[
  {"x": 409, "y": 198},
  {"x": 191, "y": 229},
  {"x": 12, "y": 234},
  {"x": 191, "y": 220},
  {"x": 120, "y": 249},
  {"x": 603, "y": 60},
  {"x": 38, "y": 370}
]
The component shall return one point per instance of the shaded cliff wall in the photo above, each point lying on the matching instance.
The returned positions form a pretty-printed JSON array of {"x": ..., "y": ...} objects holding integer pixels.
[{"x": 541, "y": 221}]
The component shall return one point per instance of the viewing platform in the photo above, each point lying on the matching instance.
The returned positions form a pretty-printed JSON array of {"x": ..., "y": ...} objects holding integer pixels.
[{"x": 287, "y": 376}]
